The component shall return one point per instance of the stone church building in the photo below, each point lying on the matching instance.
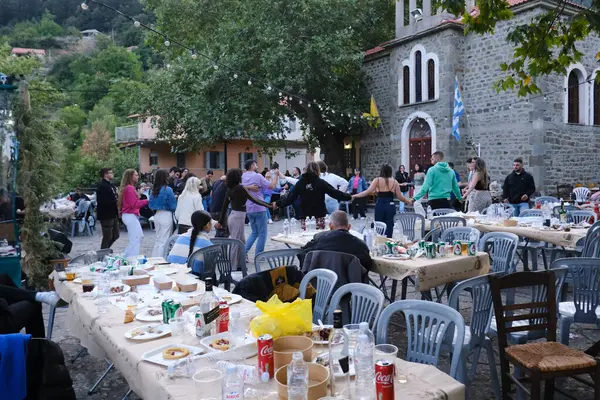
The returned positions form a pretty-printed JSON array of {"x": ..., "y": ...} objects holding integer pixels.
[{"x": 412, "y": 80}]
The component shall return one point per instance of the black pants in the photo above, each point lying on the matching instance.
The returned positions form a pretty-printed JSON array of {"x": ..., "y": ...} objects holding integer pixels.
[
  {"x": 20, "y": 310},
  {"x": 359, "y": 205},
  {"x": 439, "y": 203},
  {"x": 183, "y": 229},
  {"x": 110, "y": 232}
]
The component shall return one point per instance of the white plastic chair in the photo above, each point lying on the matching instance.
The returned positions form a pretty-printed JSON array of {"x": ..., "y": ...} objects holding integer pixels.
[
  {"x": 581, "y": 194},
  {"x": 366, "y": 303},
  {"x": 326, "y": 280}
]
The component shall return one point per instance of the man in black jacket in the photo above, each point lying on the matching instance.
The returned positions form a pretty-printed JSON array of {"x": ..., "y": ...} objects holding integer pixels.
[
  {"x": 518, "y": 187},
  {"x": 340, "y": 239},
  {"x": 107, "y": 211}
]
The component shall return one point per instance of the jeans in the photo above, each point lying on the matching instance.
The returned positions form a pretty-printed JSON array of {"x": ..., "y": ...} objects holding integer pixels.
[
  {"x": 206, "y": 202},
  {"x": 268, "y": 200},
  {"x": 135, "y": 235},
  {"x": 110, "y": 232},
  {"x": 520, "y": 207},
  {"x": 332, "y": 205},
  {"x": 163, "y": 221},
  {"x": 385, "y": 210},
  {"x": 258, "y": 224},
  {"x": 402, "y": 205}
]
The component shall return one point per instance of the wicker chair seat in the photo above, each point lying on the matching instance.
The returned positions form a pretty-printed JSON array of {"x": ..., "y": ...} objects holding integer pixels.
[{"x": 549, "y": 357}]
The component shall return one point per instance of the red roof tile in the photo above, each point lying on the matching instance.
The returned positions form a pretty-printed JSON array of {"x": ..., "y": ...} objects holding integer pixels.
[
  {"x": 22, "y": 51},
  {"x": 374, "y": 50}
]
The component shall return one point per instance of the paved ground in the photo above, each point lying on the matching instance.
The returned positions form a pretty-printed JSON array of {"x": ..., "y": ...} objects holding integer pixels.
[{"x": 86, "y": 369}]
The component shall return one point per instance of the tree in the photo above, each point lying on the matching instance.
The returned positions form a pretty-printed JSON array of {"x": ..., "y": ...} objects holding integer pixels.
[
  {"x": 312, "y": 49},
  {"x": 547, "y": 44},
  {"x": 98, "y": 142}
]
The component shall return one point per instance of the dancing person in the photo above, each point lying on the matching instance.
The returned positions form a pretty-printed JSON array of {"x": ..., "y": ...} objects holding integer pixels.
[
  {"x": 478, "y": 191},
  {"x": 440, "y": 183},
  {"x": 163, "y": 202},
  {"x": 403, "y": 178},
  {"x": 357, "y": 184},
  {"x": 337, "y": 182},
  {"x": 311, "y": 190},
  {"x": 189, "y": 201},
  {"x": 206, "y": 186},
  {"x": 129, "y": 203},
  {"x": 386, "y": 187},
  {"x": 418, "y": 177},
  {"x": 518, "y": 187},
  {"x": 184, "y": 173},
  {"x": 218, "y": 195},
  {"x": 107, "y": 209},
  {"x": 194, "y": 239},
  {"x": 174, "y": 176},
  {"x": 457, "y": 205}
]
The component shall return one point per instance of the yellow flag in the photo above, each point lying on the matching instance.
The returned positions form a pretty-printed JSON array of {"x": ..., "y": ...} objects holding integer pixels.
[
  {"x": 374, "y": 111},
  {"x": 373, "y": 115}
]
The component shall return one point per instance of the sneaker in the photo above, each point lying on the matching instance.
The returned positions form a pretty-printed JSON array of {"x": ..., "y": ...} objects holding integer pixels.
[
  {"x": 270, "y": 221},
  {"x": 362, "y": 218}
]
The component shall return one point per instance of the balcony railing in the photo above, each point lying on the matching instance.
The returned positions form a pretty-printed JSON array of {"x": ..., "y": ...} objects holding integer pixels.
[{"x": 126, "y": 134}]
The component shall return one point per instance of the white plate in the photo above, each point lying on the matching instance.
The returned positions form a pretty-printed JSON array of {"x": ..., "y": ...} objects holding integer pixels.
[
  {"x": 164, "y": 271},
  {"x": 155, "y": 356},
  {"x": 315, "y": 328},
  {"x": 77, "y": 280},
  {"x": 126, "y": 288},
  {"x": 246, "y": 351},
  {"x": 396, "y": 256},
  {"x": 164, "y": 329},
  {"x": 337, "y": 370},
  {"x": 232, "y": 298},
  {"x": 145, "y": 317}
]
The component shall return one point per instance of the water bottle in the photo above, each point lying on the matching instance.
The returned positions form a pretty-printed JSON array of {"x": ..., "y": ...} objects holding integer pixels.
[
  {"x": 364, "y": 330},
  {"x": 339, "y": 357},
  {"x": 371, "y": 236},
  {"x": 237, "y": 330},
  {"x": 313, "y": 224},
  {"x": 429, "y": 212},
  {"x": 293, "y": 226},
  {"x": 363, "y": 365},
  {"x": 398, "y": 233},
  {"x": 286, "y": 228},
  {"x": 297, "y": 378},
  {"x": 232, "y": 386}
]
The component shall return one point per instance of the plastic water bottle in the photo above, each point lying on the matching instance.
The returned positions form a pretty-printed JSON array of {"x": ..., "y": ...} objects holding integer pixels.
[
  {"x": 286, "y": 228},
  {"x": 398, "y": 233},
  {"x": 429, "y": 212},
  {"x": 237, "y": 331},
  {"x": 313, "y": 224},
  {"x": 293, "y": 226},
  {"x": 232, "y": 386},
  {"x": 339, "y": 357},
  {"x": 363, "y": 365},
  {"x": 297, "y": 378},
  {"x": 370, "y": 236},
  {"x": 364, "y": 330}
]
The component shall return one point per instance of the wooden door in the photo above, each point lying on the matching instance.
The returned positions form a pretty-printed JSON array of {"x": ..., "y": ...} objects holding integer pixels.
[{"x": 419, "y": 152}]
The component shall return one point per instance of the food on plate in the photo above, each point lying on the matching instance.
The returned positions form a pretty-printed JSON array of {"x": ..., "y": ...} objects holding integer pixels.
[
  {"x": 117, "y": 289},
  {"x": 220, "y": 344},
  {"x": 153, "y": 312},
  {"x": 175, "y": 353},
  {"x": 319, "y": 334},
  {"x": 129, "y": 316},
  {"x": 322, "y": 360},
  {"x": 227, "y": 298},
  {"x": 146, "y": 330}
]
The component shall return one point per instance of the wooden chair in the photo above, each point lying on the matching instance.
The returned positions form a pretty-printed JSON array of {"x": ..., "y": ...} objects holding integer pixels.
[{"x": 539, "y": 361}]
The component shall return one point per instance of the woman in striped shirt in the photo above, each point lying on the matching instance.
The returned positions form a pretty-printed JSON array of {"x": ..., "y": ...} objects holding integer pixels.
[{"x": 194, "y": 239}]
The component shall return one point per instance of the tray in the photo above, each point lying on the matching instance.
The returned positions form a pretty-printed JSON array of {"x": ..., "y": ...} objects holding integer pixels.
[
  {"x": 248, "y": 350},
  {"x": 155, "y": 356},
  {"x": 165, "y": 330}
]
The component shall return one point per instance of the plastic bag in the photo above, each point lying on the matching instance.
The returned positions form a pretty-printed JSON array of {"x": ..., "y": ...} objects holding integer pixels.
[
  {"x": 419, "y": 208},
  {"x": 282, "y": 319}
]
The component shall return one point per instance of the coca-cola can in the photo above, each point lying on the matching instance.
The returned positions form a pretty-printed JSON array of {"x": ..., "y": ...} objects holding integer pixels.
[
  {"x": 223, "y": 319},
  {"x": 264, "y": 345},
  {"x": 384, "y": 380}
]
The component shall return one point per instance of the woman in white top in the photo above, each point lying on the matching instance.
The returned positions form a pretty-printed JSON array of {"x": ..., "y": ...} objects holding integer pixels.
[{"x": 190, "y": 200}]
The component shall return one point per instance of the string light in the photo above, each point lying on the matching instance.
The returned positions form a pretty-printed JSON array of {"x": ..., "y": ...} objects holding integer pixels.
[
  {"x": 269, "y": 88},
  {"x": 216, "y": 67},
  {"x": 249, "y": 82},
  {"x": 136, "y": 24},
  {"x": 194, "y": 56},
  {"x": 84, "y": 6},
  {"x": 235, "y": 76},
  {"x": 545, "y": 98},
  {"x": 167, "y": 43}
]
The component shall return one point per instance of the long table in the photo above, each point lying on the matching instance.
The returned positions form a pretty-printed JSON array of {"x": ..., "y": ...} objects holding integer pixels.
[
  {"x": 428, "y": 273},
  {"x": 555, "y": 237},
  {"x": 103, "y": 335}
]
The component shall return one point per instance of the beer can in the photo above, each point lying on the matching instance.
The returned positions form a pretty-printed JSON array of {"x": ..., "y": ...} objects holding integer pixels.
[
  {"x": 223, "y": 319},
  {"x": 384, "y": 380},
  {"x": 422, "y": 244},
  {"x": 472, "y": 248},
  {"x": 199, "y": 324},
  {"x": 457, "y": 247},
  {"x": 441, "y": 249},
  {"x": 166, "y": 309},
  {"x": 430, "y": 250},
  {"x": 264, "y": 345}
]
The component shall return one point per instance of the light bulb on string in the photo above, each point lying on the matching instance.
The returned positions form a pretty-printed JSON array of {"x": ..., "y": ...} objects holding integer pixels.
[
  {"x": 84, "y": 6},
  {"x": 167, "y": 43},
  {"x": 216, "y": 67},
  {"x": 194, "y": 55},
  {"x": 136, "y": 24},
  {"x": 300, "y": 102},
  {"x": 235, "y": 76},
  {"x": 510, "y": 106},
  {"x": 280, "y": 94},
  {"x": 342, "y": 114},
  {"x": 269, "y": 88},
  {"x": 309, "y": 104},
  {"x": 249, "y": 83},
  {"x": 526, "y": 101}
]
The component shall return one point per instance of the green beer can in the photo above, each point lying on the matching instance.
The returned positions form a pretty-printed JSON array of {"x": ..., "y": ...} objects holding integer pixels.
[
  {"x": 430, "y": 250},
  {"x": 457, "y": 249},
  {"x": 422, "y": 244},
  {"x": 472, "y": 248}
]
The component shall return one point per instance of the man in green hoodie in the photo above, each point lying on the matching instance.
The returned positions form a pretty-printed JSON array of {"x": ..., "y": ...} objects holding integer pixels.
[{"x": 440, "y": 182}]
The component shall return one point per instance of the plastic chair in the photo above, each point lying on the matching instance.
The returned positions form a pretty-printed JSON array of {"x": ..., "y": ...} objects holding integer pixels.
[
  {"x": 169, "y": 245},
  {"x": 326, "y": 280},
  {"x": 479, "y": 324},
  {"x": 577, "y": 217},
  {"x": 380, "y": 227},
  {"x": 556, "y": 209},
  {"x": 581, "y": 194},
  {"x": 546, "y": 199},
  {"x": 100, "y": 254},
  {"x": 230, "y": 247},
  {"x": 427, "y": 326},
  {"x": 409, "y": 222},
  {"x": 584, "y": 273},
  {"x": 444, "y": 223},
  {"x": 459, "y": 233},
  {"x": 83, "y": 209},
  {"x": 209, "y": 256},
  {"x": 502, "y": 248},
  {"x": 591, "y": 245},
  {"x": 532, "y": 213},
  {"x": 278, "y": 258},
  {"x": 442, "y": 211},
  {"x": 532, "y": 247},
  {"x": 366, "y": 303}
]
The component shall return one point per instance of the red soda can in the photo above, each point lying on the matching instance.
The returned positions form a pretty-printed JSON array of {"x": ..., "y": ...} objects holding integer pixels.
[
  {"x": 265, "y": 355},
  {"x": 223, "y": 319},
  {"x": 384, "y": 380}
]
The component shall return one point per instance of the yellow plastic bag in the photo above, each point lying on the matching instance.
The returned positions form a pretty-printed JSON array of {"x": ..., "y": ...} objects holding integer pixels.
[{"x": 282, "y": 319}]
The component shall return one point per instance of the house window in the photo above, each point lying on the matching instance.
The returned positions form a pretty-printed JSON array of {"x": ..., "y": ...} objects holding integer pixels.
[
  {"x": 406, "y": 84},
  {"x": 573, "y": 98},
  {"x": 153, "y": 159},
  {"x": 418, "y": 78},
  {"x": 245, "y": 157},
  {"x": 180, "y": 160},
  {"x": 214, "y": 160},
  {"x": 596, "y": 103},
  {"x": 430, "y": 80},
  {"x": 406, "y": 12}
]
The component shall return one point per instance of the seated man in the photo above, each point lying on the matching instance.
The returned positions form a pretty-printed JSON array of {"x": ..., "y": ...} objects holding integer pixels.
[{"x": 340, "y": 239}]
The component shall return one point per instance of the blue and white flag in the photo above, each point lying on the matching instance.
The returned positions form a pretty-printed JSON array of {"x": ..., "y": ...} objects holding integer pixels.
[{"x": 459, "y": 109}]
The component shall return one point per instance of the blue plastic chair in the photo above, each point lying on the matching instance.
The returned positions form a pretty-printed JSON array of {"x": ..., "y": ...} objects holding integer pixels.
[
  {"x": 326, "y": 280},
  {"x": 584, "y": 274},
  {"x": 443, "y": 223},
  {"x": 408, "y": 222},
  {"x": 577, "y": 217},
  {"x": 169, "y": 245},
  {"x": 531, "y": 213},
  {"x": 546, "y": 199},
  {"x": 479, "y": 324},
  {"x": 209, "y": 256},
  {"x": 278, "y": 258},
  {"x": 502, "y": 248},
  {"x": 442, "y": 211},
  {"x": 427, "y": 326},
  {"x": 531, "y": 246},
  {"x": 83, "y": 212},
  {"x": 459, "y": 233},
  {"x": 591, "y": 245},
  {"x": 366, "y": 303},
  {"x": 233, "y": 253},
  {"x": 380, "y": 228}
]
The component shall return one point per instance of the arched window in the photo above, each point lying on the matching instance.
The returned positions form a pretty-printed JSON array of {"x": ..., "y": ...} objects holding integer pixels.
[
  {"x": 596, "y": 103},
  {"x": 573, "y": 98},
  {"x": 430, "y": 79},
  {"x": 418, "y": 78},
  {"x": 406, "y": 85}
]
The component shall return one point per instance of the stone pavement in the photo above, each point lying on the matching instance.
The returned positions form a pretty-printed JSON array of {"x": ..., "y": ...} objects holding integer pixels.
[{"x": 85, "y": 370}]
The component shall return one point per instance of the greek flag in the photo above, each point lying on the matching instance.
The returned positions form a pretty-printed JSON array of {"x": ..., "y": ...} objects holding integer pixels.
[{"x": 459, "y": 109}]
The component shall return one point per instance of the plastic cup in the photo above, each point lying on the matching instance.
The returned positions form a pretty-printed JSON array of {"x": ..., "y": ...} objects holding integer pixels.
[
  {"x": 387, "y": 352},
  {"x": 358, "y": 393},
  {"x": 208, "y": 378},
  {"x": 177, "y": 325}
]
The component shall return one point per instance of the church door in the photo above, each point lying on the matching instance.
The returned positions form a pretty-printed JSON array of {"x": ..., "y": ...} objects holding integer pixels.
[{"x": 419, "y": 144}]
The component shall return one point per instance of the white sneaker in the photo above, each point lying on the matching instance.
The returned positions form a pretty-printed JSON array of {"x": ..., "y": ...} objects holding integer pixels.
[
  {"x": 270, "y": 221},
  {"x": 362, "y": 218}
]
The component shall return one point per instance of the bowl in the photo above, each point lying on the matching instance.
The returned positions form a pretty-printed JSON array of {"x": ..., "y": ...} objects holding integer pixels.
[
  {"x": 135, "y": 280},
  {"x": 318, "y": 377},
  {"x": 187, "y": 285},
  {"x": 284, "y": 347}
]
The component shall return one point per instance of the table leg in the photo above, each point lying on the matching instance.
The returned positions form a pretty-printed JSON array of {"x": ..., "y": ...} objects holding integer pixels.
[
  {"x": 110, "y": 366},
  {"x": 127, "y": 395},
  {"x": 394, "y": 286}
]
